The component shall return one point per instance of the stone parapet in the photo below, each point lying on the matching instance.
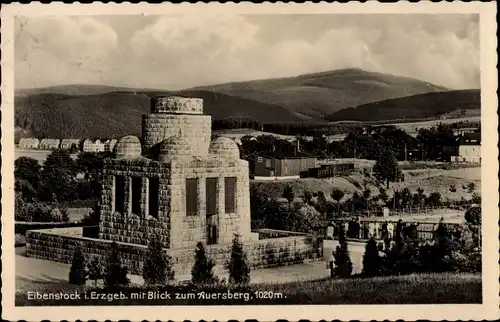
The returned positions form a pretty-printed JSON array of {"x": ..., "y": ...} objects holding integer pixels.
[{"x": 176, "y": 105}]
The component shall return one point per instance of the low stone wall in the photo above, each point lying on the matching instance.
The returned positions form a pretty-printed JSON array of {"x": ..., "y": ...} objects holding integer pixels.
[{"x": 59, "y": 245}]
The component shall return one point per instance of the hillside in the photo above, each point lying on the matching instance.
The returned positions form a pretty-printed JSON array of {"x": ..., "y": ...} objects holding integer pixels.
[
  {"x": 115, "y": 114},
  {"x": 320, "y": 94},
  {"x": 426, "y": 105},
  {"x": 76, "y": 90}
]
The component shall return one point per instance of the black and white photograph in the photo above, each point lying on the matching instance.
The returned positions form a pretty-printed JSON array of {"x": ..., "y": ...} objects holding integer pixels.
[{"x": 240, "y": 156}]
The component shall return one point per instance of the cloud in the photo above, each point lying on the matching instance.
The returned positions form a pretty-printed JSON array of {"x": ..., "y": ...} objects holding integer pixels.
[
  {"x": 174, "y": 52},
  {"x": 51, "y": 50}
]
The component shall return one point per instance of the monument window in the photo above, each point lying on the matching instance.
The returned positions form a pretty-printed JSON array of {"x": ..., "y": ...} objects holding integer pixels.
[
  {"x": 120, "y": 194},
  {"x": 230, "y": 195},
  {"x": 136, "y": 195},
  {"x": 211, "y": 196},
  {"x": 191, "y": 197},
  {"x": 154, "y": 186}
]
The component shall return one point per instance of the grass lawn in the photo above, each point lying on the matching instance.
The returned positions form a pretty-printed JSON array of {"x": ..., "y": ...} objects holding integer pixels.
[{"x": 411, "y": 289}]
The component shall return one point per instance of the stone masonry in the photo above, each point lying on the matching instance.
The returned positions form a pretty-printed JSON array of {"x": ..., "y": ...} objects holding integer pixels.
[
  {"x": 178, "y": 185},
  {"x": 183, "y": 152}
]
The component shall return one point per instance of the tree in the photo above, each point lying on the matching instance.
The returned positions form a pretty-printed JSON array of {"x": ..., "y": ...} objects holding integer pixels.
[
  {"x": 77, "y": 273},
  {"x": 337, "y": 194},
  {"x": 453, "y": 188},
  {"x": 471, "y": 187},
  {"x": 473, "y": 216},
  {"x": 307, "y": 197},
  {"x": 95, "y": 270},
  {"x": 27, "y": 174},
  {"x": 202, "y": 271},
  {"x": 58, "y": 177},
  {"x": 434, "y": 199},
  {"x": 239, "y": 270},
  {"x": 342, "y": 260},
  {"x": 288, "y": 193},
  {"x": 157, "y": 268},
  {"x": 116, "y": 273},
  {"x": 386, "y": 168},
  {"x": 93, "y": 218},
  {"x": 372, "y": 262}
]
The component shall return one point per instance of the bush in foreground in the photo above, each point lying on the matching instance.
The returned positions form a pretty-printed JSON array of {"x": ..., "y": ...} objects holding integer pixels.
[
  {"x": 157, "y": 268},
  {"x": 77, "y": 272},
  {"x": 372, "y": 262},
  {"x": 202, "y": 271},
  {"x": 239, "y": 270},
  {"x": 342, "y": 260},
  {"x": 115, "y": 275}
]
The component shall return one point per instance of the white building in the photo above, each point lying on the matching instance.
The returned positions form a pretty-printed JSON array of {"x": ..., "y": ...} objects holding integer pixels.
[
  {"x": 469, "y": 149},
  {"x": 49, "y": 144},
  {"x": 29, "y": 143},
  {"x": 93, "y": 146}
]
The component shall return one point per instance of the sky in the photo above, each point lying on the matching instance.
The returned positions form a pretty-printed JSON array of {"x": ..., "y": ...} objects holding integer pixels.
[{"x": 182, "y": 51}]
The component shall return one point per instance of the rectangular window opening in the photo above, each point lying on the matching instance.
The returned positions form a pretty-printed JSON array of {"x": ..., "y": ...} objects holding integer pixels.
[
  {"x": 230, "y": 195},
  {"x": 154, "y": 186},
  {"x": 211, "y": 196},
  {"x": 192, "y": 197},
  {"x": 136, "y": 195},
  {"x": 120, "y": 194}
]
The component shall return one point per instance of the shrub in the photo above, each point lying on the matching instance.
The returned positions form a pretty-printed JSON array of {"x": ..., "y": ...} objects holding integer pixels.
[
  {"x": 343, "y": 264},
  {"x": 77, "y": 273},
  {"x": 239, "y": 270},
  {"x": 157, "y": 268},
  {"x": 95, "y": 270},
  {"x": 371, "y": 260},
  {"x": 115, "y": 274},
  {"x": 473, "y": 216},
  {"x": 288, "y": 193},
  {"x": 202, "y": 271}
]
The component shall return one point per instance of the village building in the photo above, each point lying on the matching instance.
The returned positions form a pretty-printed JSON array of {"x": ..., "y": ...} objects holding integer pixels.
[
  {"x": 69, "y": 143},
  {"x": 469, "y": 149},
  {"x": 49, "y": 144},
  {"x": 29, "y": 143},
  {"x": 109, "y": 145},
  {"x": 93, "y": 146},
  {"x": 279, "y": 165}
]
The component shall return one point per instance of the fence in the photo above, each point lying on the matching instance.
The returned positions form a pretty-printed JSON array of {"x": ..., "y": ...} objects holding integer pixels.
[
  {"x": 365, "y": 229},
  {"x": 452, "y": 209}
]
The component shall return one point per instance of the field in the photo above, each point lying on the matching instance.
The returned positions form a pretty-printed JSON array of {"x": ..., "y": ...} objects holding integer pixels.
[
  {"x": 430, "y": 180},
  {"x": 412, "y": 127}
]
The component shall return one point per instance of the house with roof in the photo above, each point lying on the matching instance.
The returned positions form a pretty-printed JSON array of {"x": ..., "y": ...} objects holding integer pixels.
[
  {"x": 49, "y": 144},
  {"x": 93, "y": 146},
  {"x": 469, "y": 147},
  {"x": 109, "y": 145},
  {"x": 68, "y": 143},
  {"x": 29, "y": 143}
]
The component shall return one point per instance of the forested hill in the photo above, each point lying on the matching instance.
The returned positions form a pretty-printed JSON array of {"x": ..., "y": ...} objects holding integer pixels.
[
  {"x": 412, "y": 107},
  {"x": 116, "y": 114}
]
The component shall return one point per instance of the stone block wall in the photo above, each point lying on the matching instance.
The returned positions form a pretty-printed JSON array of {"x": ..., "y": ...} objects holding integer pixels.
[
  {"x": 60, "y": 244},
  {"x": 135, "y": 228},
  {"x": 188, "y": 230},
  {"x": 195, "y": 129}
]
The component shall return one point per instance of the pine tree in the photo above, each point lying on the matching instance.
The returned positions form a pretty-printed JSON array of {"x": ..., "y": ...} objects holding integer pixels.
[
  {"x": 95, "y": 270},
  {"x": 239, "y": 270},
  {"x": 202, "y": 271},
  {"x": 77, "y": 273},
  {"x": 116, "y": 273},
  {"x": 343, "y": 264},
  {"x": 157, "y": 268},
  {"x": 371, "y": 260}
]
